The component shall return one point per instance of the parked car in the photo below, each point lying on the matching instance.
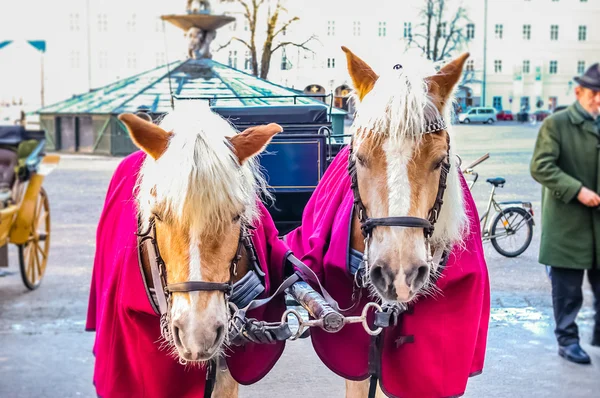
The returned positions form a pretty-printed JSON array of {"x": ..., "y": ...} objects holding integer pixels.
[
  {"x": 478, "y": 114},
  {"x": 541, "y": 114},
  {"x": 504, "y": 115}
]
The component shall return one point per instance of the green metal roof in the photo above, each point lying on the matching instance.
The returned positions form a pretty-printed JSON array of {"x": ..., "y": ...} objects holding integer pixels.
[{"x": 204, "y": 78}]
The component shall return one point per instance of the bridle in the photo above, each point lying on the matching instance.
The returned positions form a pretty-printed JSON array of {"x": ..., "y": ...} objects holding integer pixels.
[
  {"x": 239, "y": 293},
  {"x": 368, "y": 224}
]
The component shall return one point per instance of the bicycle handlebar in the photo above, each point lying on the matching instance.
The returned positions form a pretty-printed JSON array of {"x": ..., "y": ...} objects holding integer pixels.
[{"x": 477, "y": 162}]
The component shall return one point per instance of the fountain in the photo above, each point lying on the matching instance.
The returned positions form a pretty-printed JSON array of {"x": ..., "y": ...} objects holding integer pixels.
[{"x": 200, "y": 27}]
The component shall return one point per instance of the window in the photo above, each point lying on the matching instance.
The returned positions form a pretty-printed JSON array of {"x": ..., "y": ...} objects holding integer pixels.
[
  {"x": 330, "y": 63},
  {"x": 232, "y": 59},
  {"x": 233, "y": 26},
  {"x": 525, "y": 103},
  {"x": 356, "y": 28},
  {"x": 285, "y": 63},
  {"x": 497, "y": 103},
  {"x": 553, "y": 32},
  {"x": 442, "y": 29},
  {"x": 526, "y": 32},
  {"x": 330, "y": 28},
  {"x": 247, "y": 61},
  {"x": 526, "y": 67},
  {"x": 131, "y": 23},
  {"x": 498, "y": 66},
  {"x": 470, "y": 67},
  {"x": 407, "y": 30},
  {"x": 74, "y": 22},
  {"x": 102, "y": 23},
  {"x": 74, "y": 58},
  {"x": 246, "y": 26},
  {"x": 582, "y": 33},
  {"x": 382, "y": 29},
  {"x": 580, "y": 67},
  {"x": 132, "y": 60},
  {"x": 160, "y": 58},
  {"x": 499, "y": 31},
  {"x": 553, "y": 67},
  {"x": 103, "y": 60},
  {"x": 470, "y": 31}
]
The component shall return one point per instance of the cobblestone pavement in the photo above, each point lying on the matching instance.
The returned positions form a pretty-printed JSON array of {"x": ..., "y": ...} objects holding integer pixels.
[{"x": 44, "y": 351}]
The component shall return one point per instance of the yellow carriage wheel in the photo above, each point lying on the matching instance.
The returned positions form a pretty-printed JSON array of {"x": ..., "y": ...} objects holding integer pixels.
[{"x": 33, "y": 254}]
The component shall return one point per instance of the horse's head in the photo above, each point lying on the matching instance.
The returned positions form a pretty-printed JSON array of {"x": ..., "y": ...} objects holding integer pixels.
[
  {"x": 199, "y": 185},
  {"x": 400, "y": 145}
]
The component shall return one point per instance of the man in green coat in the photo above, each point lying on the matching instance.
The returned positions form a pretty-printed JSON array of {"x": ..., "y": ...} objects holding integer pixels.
[{"x": 566, "y": 161}]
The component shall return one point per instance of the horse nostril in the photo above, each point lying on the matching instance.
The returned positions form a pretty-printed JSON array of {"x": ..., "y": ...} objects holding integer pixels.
[
  {"x": 417, "y": 277},
  {"x": 382, "y": 278},
  {"x": 177, "y": 334}
]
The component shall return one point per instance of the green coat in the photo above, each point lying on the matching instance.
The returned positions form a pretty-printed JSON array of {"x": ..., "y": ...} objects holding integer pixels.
[{"x": 565, "y": 158}]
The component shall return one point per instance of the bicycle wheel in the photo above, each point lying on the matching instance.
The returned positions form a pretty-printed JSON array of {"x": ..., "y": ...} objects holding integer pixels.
[{"x": 512, "y": 231}]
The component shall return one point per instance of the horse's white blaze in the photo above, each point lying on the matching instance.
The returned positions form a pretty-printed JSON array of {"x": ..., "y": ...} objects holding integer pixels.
[{"x": 399, "y": 190}]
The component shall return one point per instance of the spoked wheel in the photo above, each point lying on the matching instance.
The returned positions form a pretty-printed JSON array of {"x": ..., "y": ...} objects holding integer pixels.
[
  {"x": 33, "y": 255},
  {"x": 512, "y": 231}
]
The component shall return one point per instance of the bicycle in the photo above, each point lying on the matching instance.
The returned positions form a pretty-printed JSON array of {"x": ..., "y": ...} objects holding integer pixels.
[{"x": 511, "y": 224}]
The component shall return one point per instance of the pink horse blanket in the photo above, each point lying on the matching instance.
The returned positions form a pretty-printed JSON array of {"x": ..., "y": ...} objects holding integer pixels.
[
  {"x": 129, "y": 361},
  {"x": 438, "y": 343}
]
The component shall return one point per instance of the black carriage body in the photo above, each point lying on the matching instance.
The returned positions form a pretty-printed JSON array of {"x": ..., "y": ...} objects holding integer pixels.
[{"x": 295, "y": 160}]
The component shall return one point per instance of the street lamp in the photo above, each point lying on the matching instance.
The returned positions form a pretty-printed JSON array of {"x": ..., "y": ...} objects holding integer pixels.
[{"x": 483, "y": 91}]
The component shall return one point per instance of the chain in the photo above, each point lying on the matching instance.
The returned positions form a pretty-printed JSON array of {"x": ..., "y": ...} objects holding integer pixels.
[{"x": 303, "y": 325}]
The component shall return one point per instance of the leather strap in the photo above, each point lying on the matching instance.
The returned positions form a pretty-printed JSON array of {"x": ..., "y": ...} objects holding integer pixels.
[
  {"x": 192, "y": 286},
  {"x": 408, "y": 222}
]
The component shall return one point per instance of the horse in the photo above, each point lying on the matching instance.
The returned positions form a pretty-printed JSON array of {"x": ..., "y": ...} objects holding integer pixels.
[
  {"x": 182, "y": 223},
  {"x": 392, "y": 220}
]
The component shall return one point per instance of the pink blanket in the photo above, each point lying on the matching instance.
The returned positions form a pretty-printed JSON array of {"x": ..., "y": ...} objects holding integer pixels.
[
  {"x": 439, "y": 343},
  {"x": 129, "y": 361}
]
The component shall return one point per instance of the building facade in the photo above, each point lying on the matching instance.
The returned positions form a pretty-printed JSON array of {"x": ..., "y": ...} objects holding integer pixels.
[{"x": 533, "y": 48}]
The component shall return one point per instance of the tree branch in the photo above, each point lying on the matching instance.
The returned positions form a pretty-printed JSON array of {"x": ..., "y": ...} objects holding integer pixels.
[
  {"x": 285, "y": 25},
  {"x": 234, "y": 39},
  {"x": 299, "y": 45}
]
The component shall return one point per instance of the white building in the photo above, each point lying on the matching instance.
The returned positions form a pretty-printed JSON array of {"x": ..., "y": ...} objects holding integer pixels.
[{"x": 534, "y": 47}]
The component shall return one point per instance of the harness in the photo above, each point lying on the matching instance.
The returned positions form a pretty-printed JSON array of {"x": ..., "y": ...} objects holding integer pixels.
[
  {"x": 358, "y": 263},
  {"x": 239, "y": 296}
]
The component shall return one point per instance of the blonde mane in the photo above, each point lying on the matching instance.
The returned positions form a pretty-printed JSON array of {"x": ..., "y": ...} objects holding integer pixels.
[
  {"x": 397, "y": 109},
  {"x": 198, "y": 181}
]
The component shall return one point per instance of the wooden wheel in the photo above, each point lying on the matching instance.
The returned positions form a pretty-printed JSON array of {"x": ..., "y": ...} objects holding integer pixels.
[{"x": 33, "y": 255}]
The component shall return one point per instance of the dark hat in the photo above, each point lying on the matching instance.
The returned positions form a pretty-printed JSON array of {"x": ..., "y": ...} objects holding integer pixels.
[{"x": 591, "y": 78}]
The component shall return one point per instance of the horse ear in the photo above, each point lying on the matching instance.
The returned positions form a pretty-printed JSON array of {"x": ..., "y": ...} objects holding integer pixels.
[
  {"x": 253, "y": 140},
  {"x": 363, "y": 77},
  {"x": 146, "y": 135},
  {"x": 442, "y": 83}
]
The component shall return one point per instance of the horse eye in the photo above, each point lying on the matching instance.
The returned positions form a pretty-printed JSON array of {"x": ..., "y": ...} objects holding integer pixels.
[
  {"x": 397, "y": 67},
  {"x": 237, "y": 218},
  {"x": 361, "y": 160}
]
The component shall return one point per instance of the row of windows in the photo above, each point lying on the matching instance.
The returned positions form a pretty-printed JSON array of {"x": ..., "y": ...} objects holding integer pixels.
[
  {"x": 381, "y": 29},
  {"x": 526, "y": 67},
  {"x": 581, "y": 32},
  {"x": 103, "y": 59},
  {"x": 470, "y": 30},
  {"x": 102, "y": 23}
]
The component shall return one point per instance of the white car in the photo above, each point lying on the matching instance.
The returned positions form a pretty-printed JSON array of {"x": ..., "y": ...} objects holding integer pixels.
[{"x": 478, "y": 114}]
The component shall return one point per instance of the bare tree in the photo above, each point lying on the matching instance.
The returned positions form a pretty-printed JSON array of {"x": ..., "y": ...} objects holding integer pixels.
[
  {"x": 274, "y": 29},
  {"x": 442, "y": 31}
]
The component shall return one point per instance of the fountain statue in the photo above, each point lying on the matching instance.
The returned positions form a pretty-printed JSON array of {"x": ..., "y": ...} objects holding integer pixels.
[{"x": 200, "y": 26}]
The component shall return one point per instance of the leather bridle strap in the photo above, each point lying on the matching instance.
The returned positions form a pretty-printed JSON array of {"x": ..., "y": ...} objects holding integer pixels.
[
  {"x": 408, "y": 222},
  {"x": 195, "y": 286}
]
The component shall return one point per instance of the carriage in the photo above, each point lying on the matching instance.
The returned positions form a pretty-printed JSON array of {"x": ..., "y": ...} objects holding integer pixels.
[
  {"x": 296, "y": 159},
  {"x": 24, "y": 204}
]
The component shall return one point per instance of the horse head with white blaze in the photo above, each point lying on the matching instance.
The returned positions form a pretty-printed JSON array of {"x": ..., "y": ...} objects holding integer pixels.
[
  {"x": 408, "y": 197},
  {"x": 198, "y": 189}
]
